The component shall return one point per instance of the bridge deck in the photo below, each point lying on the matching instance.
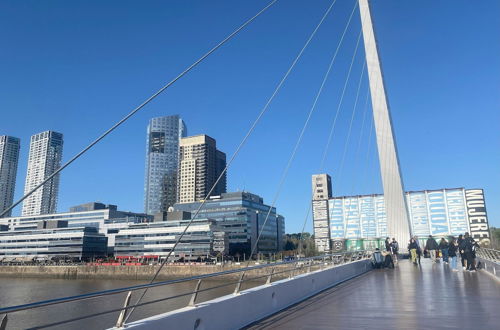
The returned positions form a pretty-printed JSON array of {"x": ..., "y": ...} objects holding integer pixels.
[{"x": 408, "y": 297}]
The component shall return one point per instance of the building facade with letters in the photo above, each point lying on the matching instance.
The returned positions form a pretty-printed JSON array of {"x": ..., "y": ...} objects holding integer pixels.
[{"x": 441, "y": 213}]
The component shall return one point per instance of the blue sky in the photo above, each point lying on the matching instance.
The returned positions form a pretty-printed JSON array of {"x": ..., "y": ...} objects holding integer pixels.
[{"x": 78, "y": 66}]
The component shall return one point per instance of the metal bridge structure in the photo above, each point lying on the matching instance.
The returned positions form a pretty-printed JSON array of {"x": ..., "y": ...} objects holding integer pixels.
[{"x": 338, "y": 290}]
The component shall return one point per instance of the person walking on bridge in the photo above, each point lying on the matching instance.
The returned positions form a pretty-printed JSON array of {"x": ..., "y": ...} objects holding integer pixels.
[
  {"x": 387, "y": 244},
  {"x": 394, "y": 250},
  {"x": 452, "y": 253},
  {"x": 413, "y": 247},
  {"x": 460, "y": 242},
  {"x": 431, "y": 246},
  {"x": 443, "y": 247},
  {"x": 469, "y": 245}
]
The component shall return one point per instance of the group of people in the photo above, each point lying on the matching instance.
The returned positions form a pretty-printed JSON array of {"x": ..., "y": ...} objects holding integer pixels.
[
  {"x": 464, "y": 246},
  {"x": 387, "y": 258}
]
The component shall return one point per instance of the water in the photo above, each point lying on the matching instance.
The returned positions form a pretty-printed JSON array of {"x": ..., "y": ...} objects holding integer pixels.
[{"x": 17, "y": 291}]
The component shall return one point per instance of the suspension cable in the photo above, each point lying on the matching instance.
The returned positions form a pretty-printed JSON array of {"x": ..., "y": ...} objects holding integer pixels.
[
  {"x": 320, "y": 91},
  {"x": 294, "y": 151},
  {"x": 142, "y": 105},
  {"x": 344, "y": 153},
  {"x": 360, "y": 139},
  {"x": 250, "y": 131}
]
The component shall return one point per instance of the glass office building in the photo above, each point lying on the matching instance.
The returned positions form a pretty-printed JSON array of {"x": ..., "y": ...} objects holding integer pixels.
[
  {"x": 162, "y": 162},
  {"x": 202, "y": 239},
  {"x": 242, "y": 215},
  {"x": 82, "y": 243},
  {"x": 105, "y": 218},
  {"x": 9, "y": 158}
]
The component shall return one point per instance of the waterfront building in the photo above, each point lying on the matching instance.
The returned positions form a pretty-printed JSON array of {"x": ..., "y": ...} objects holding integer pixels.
[
  {"x": 242, "y": 215},
  {"x": 82, "y": 243},
  {"x": 9, "y": 158},
  {"x": 44, "y": 159},
  {"x": 200, "y": 164},
  {"x": 441, "y": 213},
  {"x": 162, "y": 160},
  {"x": 203, "y": 238},
  {"x": 321, "y": 192},
  {"x": 105, "y": 218}
]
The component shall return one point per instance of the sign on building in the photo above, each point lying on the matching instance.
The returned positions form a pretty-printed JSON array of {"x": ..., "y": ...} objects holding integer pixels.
[{"x": 478, "y": 219}]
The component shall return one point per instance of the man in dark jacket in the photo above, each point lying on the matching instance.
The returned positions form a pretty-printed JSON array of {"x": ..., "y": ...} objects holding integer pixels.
[
  {"x": 460, "y": 242},
  {"x": 431, "y": 246},
  {"x": 443, "y": 247},
  {"x": 468, "y": 247}
]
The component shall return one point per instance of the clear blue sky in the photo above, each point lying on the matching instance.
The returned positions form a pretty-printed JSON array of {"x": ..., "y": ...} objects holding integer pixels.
[{"x": 78, "y": 66}]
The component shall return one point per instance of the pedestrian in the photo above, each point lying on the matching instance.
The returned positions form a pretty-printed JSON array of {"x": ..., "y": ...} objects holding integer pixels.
[
  {"x": 413, "y": 247},
  {"x": 387, "y": 244},
  {"x": 377, "y": 261},
  {"x": 419, "y": 249},
  {"x": 468, "y": 248},
  {"x": 394, "y": 249},
  {"x": 443, "y": 247},
  {"x": 460, "y": 242},
  {"x": 431, "y": 246},
  {"x": 452, "y": 253}
]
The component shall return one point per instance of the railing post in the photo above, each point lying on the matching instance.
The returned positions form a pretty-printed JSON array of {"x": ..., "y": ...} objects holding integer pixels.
[
  {"x": 238, "y": 285},
  {"x": 3, "y": 324},
  {"x": 192, "y": 302},
  {"x": 123, "y": 313},
  {"x": 269, "y": 278}
]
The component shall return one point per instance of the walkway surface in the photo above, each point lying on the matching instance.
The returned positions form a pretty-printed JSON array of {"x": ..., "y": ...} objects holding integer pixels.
[{"x": 409, "y": 297}]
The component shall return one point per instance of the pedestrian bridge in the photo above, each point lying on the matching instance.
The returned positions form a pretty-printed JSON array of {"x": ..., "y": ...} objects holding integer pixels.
[
  {"x": 338, "y": 291},
  {"x": 409, "y": 297}
]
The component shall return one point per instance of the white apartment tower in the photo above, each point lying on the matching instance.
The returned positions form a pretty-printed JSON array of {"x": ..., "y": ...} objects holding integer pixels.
[
  {"x": 44, "y": 159},
  {"x": 9, "y": 158},
  {"x": 200, "y": 164}
]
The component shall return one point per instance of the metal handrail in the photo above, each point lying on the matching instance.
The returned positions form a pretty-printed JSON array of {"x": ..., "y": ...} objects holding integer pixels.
[
  {"x": 489, "y": 254},
  {"x": 334, "y": 258}
]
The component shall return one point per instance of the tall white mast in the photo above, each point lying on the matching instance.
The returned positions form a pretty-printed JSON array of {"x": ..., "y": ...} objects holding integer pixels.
[{"x": 396, "y": 208}]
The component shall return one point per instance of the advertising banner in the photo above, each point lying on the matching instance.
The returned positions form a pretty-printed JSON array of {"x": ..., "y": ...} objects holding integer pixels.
[
  {"x": 351, "y": 212},
  {"x": 437, "y": 213},
  {"x": 419, "y": 217},
  {"x": 478, "y": 219},
  {"x": 321, "y": 225},
  {"x": 367, "y": 214},
  {"x": 457, "y": 214},
  {"x": 336, "y": 207}
]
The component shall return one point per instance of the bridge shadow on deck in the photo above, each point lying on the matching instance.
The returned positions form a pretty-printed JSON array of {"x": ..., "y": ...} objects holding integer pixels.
[{"x": 409, "y": 297}]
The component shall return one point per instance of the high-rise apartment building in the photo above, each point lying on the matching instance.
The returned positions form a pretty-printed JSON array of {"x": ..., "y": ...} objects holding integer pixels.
[
  {"x": 9, "y": 157},
  {"x": 162, "y": 161},
  {"x": 44, "y": 159},
  {"x": 200, "y": 164}
]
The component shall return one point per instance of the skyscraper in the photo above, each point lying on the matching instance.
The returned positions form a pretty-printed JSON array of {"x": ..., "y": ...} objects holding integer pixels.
[
  {"x": 200, "y": 164},
  {"x": 44, "y": 159},
  {"x": 162, "y": 161},
  {"x": 9, "y": 157}
]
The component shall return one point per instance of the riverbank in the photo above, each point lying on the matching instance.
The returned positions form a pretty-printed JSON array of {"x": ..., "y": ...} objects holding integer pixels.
[{"x": 145, "y": 272}]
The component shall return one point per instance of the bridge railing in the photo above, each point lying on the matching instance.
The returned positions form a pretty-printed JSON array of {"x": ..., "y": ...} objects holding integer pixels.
[
  {"x": 266, "y": 272},
  {"x": 490, "y": 260},
  {"x": 489, "y": 254}
]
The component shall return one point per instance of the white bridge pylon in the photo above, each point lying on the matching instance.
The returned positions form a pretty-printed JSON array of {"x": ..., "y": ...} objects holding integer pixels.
[{"x": 396, "y": 208}]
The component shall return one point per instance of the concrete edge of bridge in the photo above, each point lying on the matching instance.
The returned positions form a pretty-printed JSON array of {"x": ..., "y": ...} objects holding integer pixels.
[
  {"x": 491, "y": 268},
  {"x": 252, "y": 305}
]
